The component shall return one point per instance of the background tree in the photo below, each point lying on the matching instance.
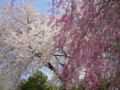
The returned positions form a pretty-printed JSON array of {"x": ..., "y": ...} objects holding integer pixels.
[
  {"x": 26, "y": 42},
  {"x": 35, "y": 82}
]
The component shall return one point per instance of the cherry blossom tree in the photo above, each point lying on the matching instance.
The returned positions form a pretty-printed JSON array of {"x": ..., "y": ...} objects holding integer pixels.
[
  {"x": 26, "y": 41},
  {"x": 90, "y": 40}
]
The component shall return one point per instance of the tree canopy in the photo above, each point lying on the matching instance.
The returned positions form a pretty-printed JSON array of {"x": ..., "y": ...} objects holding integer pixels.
[
  {"x": 79, "y": 42},
  {"x": 26, "y": 42},
  {"x": 90, "y": 38}
]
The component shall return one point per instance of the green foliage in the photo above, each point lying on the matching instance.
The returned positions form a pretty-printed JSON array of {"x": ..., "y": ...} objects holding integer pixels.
[
  {"x": 4, "y": 85},
  {"x": 35, "y": 82},
  {"x": 1, "y": 86},
  {"x": 80, "y": 87}
]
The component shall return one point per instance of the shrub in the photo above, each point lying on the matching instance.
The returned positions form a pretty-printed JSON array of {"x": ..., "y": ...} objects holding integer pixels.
[{"x": 35, "y": 82}]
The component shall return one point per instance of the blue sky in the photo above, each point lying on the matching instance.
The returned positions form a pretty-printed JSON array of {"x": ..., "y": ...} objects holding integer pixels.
[{"x": 42, "y": 4}]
